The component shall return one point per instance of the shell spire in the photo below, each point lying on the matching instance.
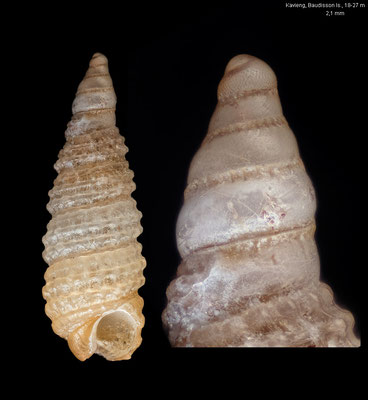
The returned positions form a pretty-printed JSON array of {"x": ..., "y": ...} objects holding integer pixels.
[
  {"x": 249, "y": 275},
  {"x": 95, "y": 262},
  {"x": 95, "y": 100}
]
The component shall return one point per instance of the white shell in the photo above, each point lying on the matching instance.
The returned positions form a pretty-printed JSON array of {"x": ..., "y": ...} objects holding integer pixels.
[{"x": 250, "y": 269}]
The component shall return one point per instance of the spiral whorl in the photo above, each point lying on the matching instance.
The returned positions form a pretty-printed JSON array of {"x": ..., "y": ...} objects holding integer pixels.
[
  {"x": 95, "y": 262},
  {"x": 248, "y": 145},
  {"x": 250, "y": 269}
]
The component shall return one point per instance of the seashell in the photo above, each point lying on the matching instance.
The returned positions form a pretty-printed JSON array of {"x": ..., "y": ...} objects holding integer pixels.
[
  {"x": 249, "y": 275},
  {"x": 95, "y": 262}
]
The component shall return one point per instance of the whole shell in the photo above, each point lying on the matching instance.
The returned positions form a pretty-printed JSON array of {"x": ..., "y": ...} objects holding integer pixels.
[
  {"x": 95, "y": 262},
  {"x": 250, "y": 270}
]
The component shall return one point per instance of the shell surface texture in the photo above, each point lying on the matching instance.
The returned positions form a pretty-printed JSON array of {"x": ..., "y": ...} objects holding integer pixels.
[
  {"x": 95, "y": 262},
  {"x": 250, "y": 272}
]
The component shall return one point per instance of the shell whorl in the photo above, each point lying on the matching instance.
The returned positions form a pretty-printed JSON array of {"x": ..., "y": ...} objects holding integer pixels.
[
  {"x": 247, "y": 147},
  {"x": 95, "y": 262},
  {"x": 250, "y": 269}
]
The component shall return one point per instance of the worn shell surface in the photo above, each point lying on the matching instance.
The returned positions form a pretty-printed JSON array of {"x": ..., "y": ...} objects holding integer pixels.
[
  {"x": 249, "y": 275},
  {"x": 95, "y": 262}
]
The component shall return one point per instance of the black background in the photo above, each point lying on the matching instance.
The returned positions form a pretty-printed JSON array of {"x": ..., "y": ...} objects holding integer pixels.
[{"x": 166, "y": 62}]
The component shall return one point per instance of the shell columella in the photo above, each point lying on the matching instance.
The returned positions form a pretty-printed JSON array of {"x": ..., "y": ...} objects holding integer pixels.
[{"x": 95, "y": 262}]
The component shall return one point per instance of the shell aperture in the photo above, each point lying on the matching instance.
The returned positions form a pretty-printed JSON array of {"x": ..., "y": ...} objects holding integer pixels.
[{"x": 95, "y": 262}]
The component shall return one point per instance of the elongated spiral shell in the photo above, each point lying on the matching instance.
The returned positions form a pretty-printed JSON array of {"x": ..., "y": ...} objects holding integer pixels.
[
  {"x": 95, "y": 262},
  {"x": 250, "y": 270}
]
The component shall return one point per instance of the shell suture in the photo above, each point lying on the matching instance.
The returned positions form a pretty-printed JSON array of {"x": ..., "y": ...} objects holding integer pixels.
[
  {"x": 249, "y": 275},
  {"x": 95, "y": 262}
]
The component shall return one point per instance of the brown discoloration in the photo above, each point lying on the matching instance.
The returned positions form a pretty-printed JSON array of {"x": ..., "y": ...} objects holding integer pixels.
[
  {"x": 252, "y": 125},
  {"x": 252, "y": 244},
  {"x": 250, "y": 274},
  {"x": 247, "y": 93},
  {"x": 242, "y": 174},
  {"x": 95, "y": 261}
]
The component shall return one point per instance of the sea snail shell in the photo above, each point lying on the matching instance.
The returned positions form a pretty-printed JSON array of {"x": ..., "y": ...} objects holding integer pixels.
[
  {"x": 95, "y": 261},
  {"x": 250, "y": 270}
]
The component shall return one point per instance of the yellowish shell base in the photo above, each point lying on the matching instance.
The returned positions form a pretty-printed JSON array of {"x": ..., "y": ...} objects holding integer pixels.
[{"x": 95, "y": 262}]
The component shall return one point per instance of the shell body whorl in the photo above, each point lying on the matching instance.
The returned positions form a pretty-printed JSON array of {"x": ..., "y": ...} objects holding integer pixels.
[
  {"x": 95, "y": 262},
  {"x": 249, "y": 275}
]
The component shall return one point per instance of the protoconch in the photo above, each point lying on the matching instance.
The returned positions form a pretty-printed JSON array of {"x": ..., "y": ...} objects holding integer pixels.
[
  {"x": 249, "y": 275},
  {"x": 95, "y": 262}
]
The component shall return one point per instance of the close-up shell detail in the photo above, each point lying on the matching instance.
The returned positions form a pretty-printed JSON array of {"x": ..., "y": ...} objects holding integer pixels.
[
  {"x": 250, "y": 271},
  {"x": 95, "y": 262}
]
